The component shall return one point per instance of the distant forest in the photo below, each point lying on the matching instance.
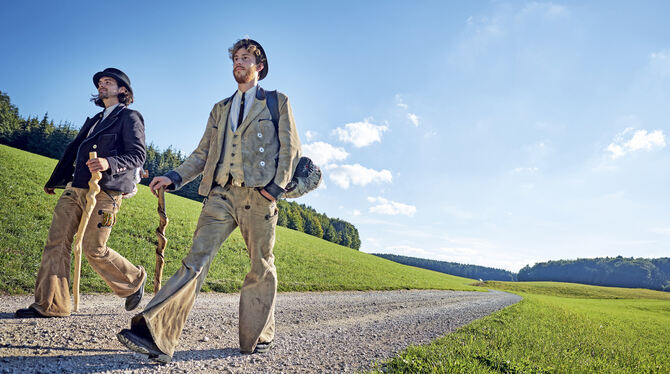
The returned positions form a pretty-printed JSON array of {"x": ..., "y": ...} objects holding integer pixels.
[
  {"x": 618, "y": 271},
  {"x": 452, "y": 268},
  {"x": 604, "y": 271},
  {"x": 48, "y": 139}
]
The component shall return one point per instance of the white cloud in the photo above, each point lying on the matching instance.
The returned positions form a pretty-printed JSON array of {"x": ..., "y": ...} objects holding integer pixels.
[
  {"x": 545, "y": 9},
  {"x": 506, "y": 34},
  {"x": 528, "y": 170},
  {"x": 360, "y": 134},
  {"x": 391, "y": 208},
  {"x": 323, "y": 153},
  {"x": 458, "y": 212},
  {"x": 617, "y": 195},
  {"x": 430, "y": 134},
  {"x": 640, "y": 140},
  {"x": 399, "y": 102},
  {"x": 413, "y": 118},
  {"x": 309, "y": 135},
  {"x": 356, "y": 213},
  {"x": 659, "y": 62},
  {"x": 660, "y": 230},
  {"x": 346, "y": 175}
]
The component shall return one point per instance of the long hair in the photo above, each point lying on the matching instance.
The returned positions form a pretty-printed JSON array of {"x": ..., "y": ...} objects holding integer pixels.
[{"x": 124, "y": 98}]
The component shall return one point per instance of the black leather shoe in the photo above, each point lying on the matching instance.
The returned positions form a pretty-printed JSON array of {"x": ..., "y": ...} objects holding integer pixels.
[
  {"x": 29, "y": 312},
  {"x": 142, "y": 345},
  {"x": 133, "y": 300},
  {"x": 262, "y": 347}
]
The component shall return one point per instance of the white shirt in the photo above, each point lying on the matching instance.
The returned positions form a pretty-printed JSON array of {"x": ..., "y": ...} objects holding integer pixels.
[
  {"x": 235, "y": 106},
  {"x": 104, "y": 115}
]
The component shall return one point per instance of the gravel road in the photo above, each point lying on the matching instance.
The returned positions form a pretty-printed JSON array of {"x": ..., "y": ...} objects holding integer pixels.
[{"x": 316, "y": 332}]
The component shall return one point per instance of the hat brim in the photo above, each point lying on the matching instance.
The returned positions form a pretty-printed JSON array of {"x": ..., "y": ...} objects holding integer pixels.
[
  {"x": 263, "y": 72},
  {"x": 117, "y": 78}
]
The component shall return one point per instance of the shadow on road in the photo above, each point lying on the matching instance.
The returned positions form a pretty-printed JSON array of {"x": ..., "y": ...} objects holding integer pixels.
[
  {"x": 7, "y": 316},
  {"x": 104, "y": 361}
]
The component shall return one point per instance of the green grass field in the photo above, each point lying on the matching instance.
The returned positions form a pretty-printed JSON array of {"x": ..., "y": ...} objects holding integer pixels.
[
  {"x": 304, "y": 263},
  {"x": 557, "y": 328}
]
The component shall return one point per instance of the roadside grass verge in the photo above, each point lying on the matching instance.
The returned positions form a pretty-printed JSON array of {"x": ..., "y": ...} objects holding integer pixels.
[
  {"x": 556, "y": 328},
  {"x": 304, "y": 262}
]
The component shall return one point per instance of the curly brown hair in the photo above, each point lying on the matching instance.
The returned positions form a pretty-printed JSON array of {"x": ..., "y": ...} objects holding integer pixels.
[{"x": 250, "y": 47}]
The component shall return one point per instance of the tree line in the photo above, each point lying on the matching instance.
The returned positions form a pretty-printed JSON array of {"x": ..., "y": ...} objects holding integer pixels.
[
  {"x": 618, "y": 271},
  {"x": 48, "y": 139},
  {"x": 453, "y": 268},
  {"x": 604, "y": 271}
]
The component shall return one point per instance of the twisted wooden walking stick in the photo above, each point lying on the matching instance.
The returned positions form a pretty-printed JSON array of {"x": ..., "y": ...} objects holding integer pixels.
[
  {"x": 162, "y": 240},
  {"x": 93, "y": 189}
]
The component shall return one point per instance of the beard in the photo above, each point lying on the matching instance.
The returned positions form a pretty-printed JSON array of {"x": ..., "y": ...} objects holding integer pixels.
[
  {"x": 245, "y": 76},
  {"x": 104, "y": 94}
]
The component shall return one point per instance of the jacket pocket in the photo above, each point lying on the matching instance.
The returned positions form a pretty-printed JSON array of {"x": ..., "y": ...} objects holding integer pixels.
[{"x": 106, "y": 141}]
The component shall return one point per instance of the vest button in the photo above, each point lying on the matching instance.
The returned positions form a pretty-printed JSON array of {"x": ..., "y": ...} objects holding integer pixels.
[
  {"x": 262, "y": 163},
  {"x": 95, "y": 146},
  {"x": 260, "y": 135},
  {"x": 261, "y": 150}
]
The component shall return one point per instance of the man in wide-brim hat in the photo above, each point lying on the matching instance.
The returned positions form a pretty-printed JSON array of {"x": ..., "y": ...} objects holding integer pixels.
[
  {"x": 117, "y": 135},
  {"x": 245, "y": 166}
]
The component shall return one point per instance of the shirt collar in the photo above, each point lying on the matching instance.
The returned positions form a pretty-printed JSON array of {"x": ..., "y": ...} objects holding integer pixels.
[
  {"x": 250, "y": 93},
  {"x": 109, "y": 110}
]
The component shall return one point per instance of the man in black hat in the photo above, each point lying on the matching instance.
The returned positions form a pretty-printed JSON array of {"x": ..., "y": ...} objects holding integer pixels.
[
  {"x": 246, "y": 163},
  {"x": 117, "y": 135}
]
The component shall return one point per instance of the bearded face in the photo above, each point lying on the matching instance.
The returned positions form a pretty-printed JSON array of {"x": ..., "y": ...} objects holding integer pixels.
[
  {"x": 245, "y": 74},
  {"x": 245, "y": 69},
  {"x": 107, "y": 87}
]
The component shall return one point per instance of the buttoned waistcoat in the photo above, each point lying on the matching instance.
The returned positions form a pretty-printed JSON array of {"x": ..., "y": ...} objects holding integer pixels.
[{"x": 269, "y": 157}]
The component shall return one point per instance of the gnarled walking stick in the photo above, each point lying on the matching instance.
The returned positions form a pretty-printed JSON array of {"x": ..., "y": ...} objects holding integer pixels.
[
  {"x": 93, "y": 189},
  {"x": 162, "y": 240}
]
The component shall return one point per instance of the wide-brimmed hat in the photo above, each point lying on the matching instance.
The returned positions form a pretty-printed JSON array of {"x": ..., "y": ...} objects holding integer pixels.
[
  {"x": 121, "y": 77},
  {"x": 263, "y": 72}
]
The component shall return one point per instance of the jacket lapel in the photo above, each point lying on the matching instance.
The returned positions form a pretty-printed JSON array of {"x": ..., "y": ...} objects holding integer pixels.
[
  {"x": 83, "y": 132},
  {"x": 107, "y": 122},
  {"x": 224, "y": 121},
  {"x": 256, "y": 109}
]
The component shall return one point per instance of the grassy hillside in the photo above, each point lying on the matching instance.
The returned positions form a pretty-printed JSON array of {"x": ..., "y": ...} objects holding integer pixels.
[
  {"x": 304, "y": 263},
  {"x": 557, "y": 328}
]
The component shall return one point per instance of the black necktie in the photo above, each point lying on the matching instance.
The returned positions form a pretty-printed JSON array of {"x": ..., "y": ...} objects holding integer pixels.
[{"x": 241, "y": 115}]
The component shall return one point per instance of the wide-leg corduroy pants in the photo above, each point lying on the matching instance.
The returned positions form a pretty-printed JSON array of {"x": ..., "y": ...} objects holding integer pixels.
[
  {"x": 52, "y": 291},
  {"x": 224, "y": 209}
]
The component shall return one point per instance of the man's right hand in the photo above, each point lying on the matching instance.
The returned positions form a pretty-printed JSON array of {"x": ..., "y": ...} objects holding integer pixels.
[
  {"x": 159, "y": 182},
  {"x": 50, "y": 191}
]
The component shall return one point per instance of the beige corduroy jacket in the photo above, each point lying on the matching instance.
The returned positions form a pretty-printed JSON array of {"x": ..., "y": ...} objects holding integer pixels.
[{"x": 271, "y": 168}]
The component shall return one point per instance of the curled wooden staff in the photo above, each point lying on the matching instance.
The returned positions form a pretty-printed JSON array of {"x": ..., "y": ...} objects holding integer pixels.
[
  {"x": 93, "y": 189},
  {"x": 162, "y": 240}
]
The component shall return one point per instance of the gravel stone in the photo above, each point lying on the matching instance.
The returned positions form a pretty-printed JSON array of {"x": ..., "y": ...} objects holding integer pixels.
[{"x": 316, "y": 332}]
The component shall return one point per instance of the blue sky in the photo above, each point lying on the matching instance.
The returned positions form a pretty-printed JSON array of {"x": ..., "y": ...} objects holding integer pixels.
[{"x": 497, "y": 133}]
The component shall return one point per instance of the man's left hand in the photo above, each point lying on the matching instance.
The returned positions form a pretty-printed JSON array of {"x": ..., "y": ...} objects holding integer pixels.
[
  {"x": 97, "y": 164},
  {"x": 267, "y": 195}
]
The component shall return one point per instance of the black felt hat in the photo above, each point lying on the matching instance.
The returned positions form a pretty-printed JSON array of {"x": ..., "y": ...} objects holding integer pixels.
[
  {"x": 121, "y": 77},
  {"x": 263, "y": 72}
]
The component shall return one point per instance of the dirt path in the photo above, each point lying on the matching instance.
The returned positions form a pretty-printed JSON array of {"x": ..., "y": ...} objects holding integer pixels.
[{"x": 316, "y": 332}]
